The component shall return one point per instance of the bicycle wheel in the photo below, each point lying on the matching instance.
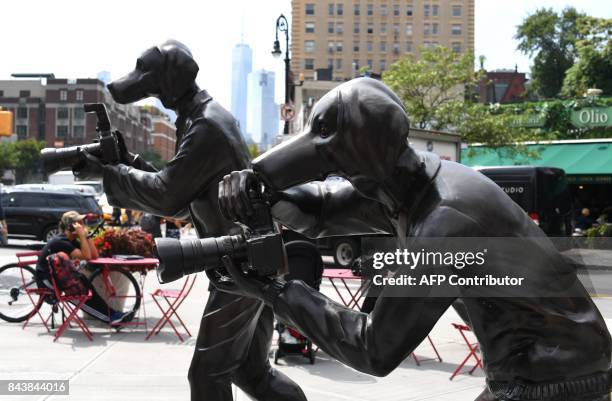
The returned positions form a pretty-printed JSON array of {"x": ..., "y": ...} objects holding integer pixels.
[
  {"x": 15, "y": 303},
  {"x": 126, "y": 297}
]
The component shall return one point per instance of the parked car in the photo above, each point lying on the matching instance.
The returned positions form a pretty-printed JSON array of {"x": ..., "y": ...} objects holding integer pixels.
[
  {"x": 542, "y": 192},
  {"x": 35, "y": 213}
]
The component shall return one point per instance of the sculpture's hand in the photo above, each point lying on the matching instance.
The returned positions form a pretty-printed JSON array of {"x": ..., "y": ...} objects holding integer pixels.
[
  {"x": 125, "y": 157},
  {"x": 266, "y": 289},
  {"x": 234, "y": 199},
  {"x": 90, "y": 168}
]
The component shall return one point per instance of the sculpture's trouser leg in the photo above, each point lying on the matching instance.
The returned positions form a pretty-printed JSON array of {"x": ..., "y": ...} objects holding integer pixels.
[{"x": 232, "y": 345}]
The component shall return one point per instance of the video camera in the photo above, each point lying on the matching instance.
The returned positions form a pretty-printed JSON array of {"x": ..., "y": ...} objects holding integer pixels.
[
  {"x": 258, "y": 249},
  {"x": 106, "y": 147}
]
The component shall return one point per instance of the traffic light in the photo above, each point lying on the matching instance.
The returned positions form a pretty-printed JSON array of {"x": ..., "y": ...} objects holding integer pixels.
[{"x": 6, "y": 123}]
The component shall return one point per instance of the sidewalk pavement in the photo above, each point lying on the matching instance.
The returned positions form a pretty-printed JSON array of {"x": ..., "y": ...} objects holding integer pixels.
[{"x": 122, "y": 366}]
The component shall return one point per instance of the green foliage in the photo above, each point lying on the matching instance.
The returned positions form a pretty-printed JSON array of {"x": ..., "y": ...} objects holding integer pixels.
[
  {"x": 433, "y": 85},
  {"x": 603, "y": 230},
  {"x": 154, "y": 158},
  {"x": 22, "y": 157},
  {"x": 433, "y": 90},
  {"x": 593, "y": 68},
  {"x": 557, "y": 116},
  {"x": 552, "y": 38},
  {"x": 254, "y": 150}
]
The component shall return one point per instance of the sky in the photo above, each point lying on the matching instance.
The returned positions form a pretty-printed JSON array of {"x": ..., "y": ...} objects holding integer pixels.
[{"x": 79, "y": 38}]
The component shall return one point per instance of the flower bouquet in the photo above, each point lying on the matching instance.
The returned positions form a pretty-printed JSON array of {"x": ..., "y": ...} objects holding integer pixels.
[{"x": 124, "y": 241}]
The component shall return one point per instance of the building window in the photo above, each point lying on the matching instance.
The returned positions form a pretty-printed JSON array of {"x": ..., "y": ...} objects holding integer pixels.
[
  {"x": 63, "y": 95},
  {"x": 22, "y": 131},
  {"x": 383, "y": 47},
  {"x": 370, "y": 9},
  {"x": 78, "y": 131},
  {"x": 370, "y": 47},
  {"x": 340, "y": 28},
  {"x": 408, "y": 47},
  {"x": 356, "y": 27},
  {"x": 355, "y": 64},
  {"x": 1, "y": 93},
  {"x": 435, "y": 10},
  {"x": 355, "y": 46},
  {"x": 24, "y": 93},
  {"x": 409, "y": 10},
  {"x": 426, "y": 29},
  {"x": 435, "y": 28},
  {"x": 396, "y": 10},
  {"x": 62, "y": 113},
  {"x": 456, "y": 11},
  {"x": 409, "y": 29},
  {"x": 370, "y": 27},
  {"x": 456, "y": 46},
  {"x": 339, "y": 46},
  {"x": 338, "y": 64},
  {"x": 310, "y": 10},
  {"x": 383, "y": 10},
  {"x": 310, "y": 27},
  {"x": 370, "y": 64},
  {"x": 309, "y": 46},
  {"x": 62, "y": 131},
  {"x": 426, "y": 10},
  {"x": 22, "y": 112},
  {"x": 339, "y": 9},
  {"x": 456, "y": 29},
  {"x": 396, "y": 48},
  {"x": 79, "y": 95},
  {"x": 330, "y": 63},
  {"x": 330, "y": 9},
  {"x": 383, "y": 29},
  {"x": 356, "y": 10},
  {"x": 383, "y": 65},
  {"x": 396, "y": 29},
  {"x": 79, "y": 113},
  {"x": 330, "y": 47},
  {"x": 330, "y": 27}
]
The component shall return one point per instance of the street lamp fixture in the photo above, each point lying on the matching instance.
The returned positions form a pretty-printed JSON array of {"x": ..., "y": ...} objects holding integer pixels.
[{"x": 283, "y": 26}]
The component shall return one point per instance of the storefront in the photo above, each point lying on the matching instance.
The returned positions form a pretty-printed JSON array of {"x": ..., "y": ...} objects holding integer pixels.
[{"x": 587, "y": 163}]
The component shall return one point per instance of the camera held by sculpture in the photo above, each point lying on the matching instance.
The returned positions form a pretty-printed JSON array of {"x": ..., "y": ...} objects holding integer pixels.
[
  {"x": 109, "y": 146},
  {"x": 258, "y": 249}
]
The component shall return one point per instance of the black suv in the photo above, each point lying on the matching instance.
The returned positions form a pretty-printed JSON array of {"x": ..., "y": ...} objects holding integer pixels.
[{"x": 36, "y": 213}]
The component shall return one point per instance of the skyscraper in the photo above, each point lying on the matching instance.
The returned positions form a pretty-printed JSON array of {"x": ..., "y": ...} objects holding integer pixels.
[
  {"x": 263, "y": 114},
  {"x": 242, "y": 65}
]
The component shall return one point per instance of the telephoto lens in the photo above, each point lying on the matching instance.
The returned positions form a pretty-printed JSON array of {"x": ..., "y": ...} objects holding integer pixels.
[
  {"x": 56, "y": 159},
  {"x": 262, "y": 255},
  {"x": 180, "y": 257}
]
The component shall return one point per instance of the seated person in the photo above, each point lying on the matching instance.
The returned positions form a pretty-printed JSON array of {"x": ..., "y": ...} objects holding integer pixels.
[{"x": 74, "y": 242}]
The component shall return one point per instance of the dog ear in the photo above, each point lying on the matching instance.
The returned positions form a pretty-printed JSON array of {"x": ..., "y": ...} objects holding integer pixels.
[{"x": 181, "y": 68}]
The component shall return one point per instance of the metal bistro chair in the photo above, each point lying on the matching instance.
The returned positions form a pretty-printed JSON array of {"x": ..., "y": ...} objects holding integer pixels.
[
  {"x": 473, "y": 346},
  {"x": 35, "y": 295},
  {"x": 174, "y": 299},
  {"x": 70, "y": 305}
]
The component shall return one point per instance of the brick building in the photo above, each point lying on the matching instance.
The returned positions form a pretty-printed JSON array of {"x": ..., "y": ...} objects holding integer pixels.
[
  {"x": 502, "y": 86},
  {"x": 345, "y": 35},
  {"x": 162, "y": 137},
  {"x": 49, "y": 109}
]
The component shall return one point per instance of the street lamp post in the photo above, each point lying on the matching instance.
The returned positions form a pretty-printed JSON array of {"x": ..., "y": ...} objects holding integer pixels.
[{"x": 283, "y": 26}]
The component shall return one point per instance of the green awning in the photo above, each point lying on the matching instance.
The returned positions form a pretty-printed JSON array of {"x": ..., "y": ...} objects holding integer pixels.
[{"x": 585, "y": 162}]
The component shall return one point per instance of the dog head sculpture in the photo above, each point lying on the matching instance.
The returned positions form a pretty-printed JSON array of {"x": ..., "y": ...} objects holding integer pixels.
[
  {"x": 167, "y": 72},
  {"x": 357, "y": 130}
]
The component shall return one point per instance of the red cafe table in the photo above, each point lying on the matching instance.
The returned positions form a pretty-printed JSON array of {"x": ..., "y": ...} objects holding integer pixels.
[{"x": 142, "y": 266}]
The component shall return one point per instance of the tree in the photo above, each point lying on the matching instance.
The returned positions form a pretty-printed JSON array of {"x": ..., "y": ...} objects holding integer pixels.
[
  {"x": 593, "y": 68},
  {"x": 27, "y": 157},
  {"x": 433, "y": 85},
  {"x": 552, "y": 38},
  {"x": 154, "y": 158}
]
